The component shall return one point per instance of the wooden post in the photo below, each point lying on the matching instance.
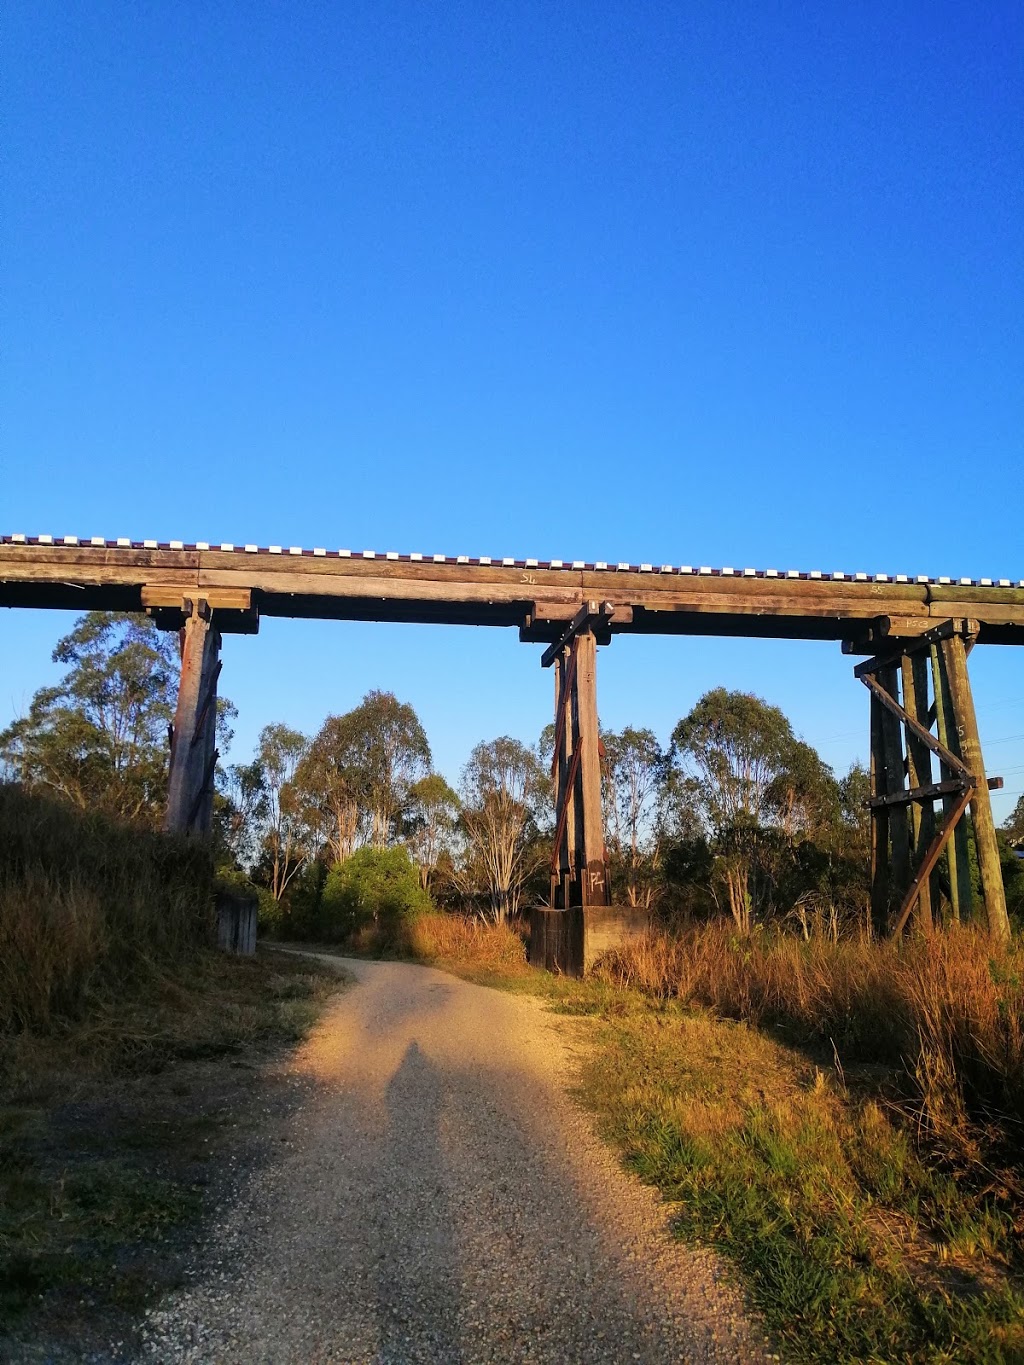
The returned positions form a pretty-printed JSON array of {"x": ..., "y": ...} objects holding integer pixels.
[
  {"x": 589, "y": 820},
  {"x": 965, "y": 726},
  {"x": 578, "y": 870},
  {"x": 914, "y": 669},
  {"x": 899, "y": 834},
  {"x": 960, "y": 893},
  {"x": 193, "y": 737},
  {"x": 879, "y": 826}
]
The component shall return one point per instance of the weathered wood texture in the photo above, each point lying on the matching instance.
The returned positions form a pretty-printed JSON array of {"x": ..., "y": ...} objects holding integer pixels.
[
  {"x": 578, "y": 868},
  {"x": 905, "y": 845},
  {"x": 538, "y": 597},
  {"x": 969, "y": 744},
  {"x": 914, "y": 678},
  {"x": 193, "y": 737}
]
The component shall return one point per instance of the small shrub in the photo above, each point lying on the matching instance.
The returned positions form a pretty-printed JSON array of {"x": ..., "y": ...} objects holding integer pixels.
[{"x": 376, "y": 890}]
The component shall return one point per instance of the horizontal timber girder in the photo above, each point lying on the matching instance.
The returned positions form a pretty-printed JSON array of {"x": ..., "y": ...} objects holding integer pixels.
[{"x": 538, "y": 597}]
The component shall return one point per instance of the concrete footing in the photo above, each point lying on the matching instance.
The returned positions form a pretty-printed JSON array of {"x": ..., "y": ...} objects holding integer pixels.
[{"x": 570, "y": 941}]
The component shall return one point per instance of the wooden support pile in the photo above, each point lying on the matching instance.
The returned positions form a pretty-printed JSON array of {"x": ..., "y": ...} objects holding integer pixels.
[
  {"x": 579, "y": 871},
  {"x": 916, "y": 685},
  {"x": 194, "y": 733}
]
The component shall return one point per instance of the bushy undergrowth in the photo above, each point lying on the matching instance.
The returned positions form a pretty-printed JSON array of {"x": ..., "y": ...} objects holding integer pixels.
[
  {"x": 946, "y": 1011},
  {"x": 89, "y": 906},
  {"x": 459, "y": 940}
]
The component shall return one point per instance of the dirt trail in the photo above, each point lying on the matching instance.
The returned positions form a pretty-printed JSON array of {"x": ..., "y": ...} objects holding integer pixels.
[{"x": 440, "y": 1198}]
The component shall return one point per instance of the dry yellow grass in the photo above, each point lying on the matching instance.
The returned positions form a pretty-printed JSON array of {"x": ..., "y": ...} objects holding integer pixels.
[{"x": 949, "y": 1009}]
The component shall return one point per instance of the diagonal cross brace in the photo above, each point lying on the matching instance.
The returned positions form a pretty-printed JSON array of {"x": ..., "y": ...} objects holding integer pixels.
[
  {"x": 926, "y": 737},
  {"x": 931, "y": 857}
]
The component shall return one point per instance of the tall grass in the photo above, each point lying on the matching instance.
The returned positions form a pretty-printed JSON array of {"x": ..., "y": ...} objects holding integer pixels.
[
  {"x": 89, "y": 907},
  {"x": 457, "y": 939},
  {"x": 946, "y": 1012}
]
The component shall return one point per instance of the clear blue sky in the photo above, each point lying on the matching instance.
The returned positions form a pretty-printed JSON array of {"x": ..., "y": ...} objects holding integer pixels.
[{"x": 709, "y": 283}]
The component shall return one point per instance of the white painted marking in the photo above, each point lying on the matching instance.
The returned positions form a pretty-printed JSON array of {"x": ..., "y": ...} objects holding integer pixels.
[
  {"x": 319, "y": 550},
  {"x": 73, "y": 540},
  {"x": 645, "y": 568},
  {"x": 600, "y": 564},
  {"x": 124, "y": 541},
  {"x": 200, "y": 544},
  {"x": 226, "y": 546},
  {"x": 21, "y": 539},
  {"x": 46, "y": 540},
  {"x": 252, "y": 549},
  {"x": 391, "y": 554},
  {"x": 771, "y": 573},
  {"x": 275, "y": 549},
  {"x": 416, "y": 556}
]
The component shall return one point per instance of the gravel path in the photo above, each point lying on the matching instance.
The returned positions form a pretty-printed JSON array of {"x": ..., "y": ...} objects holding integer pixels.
[{"x": 439, "y": 1198}]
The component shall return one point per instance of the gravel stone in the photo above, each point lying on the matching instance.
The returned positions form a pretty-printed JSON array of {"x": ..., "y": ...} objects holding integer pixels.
[{"x": 438, "y": 1197}]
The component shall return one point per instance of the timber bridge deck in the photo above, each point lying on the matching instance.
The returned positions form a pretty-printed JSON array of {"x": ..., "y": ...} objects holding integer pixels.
[
  {"x": 918, "y": 631},
  {"x": 244, "y": 582}
]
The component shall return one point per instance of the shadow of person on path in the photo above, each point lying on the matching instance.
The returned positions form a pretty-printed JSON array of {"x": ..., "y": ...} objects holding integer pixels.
[{"x": 417, "y": 1269}]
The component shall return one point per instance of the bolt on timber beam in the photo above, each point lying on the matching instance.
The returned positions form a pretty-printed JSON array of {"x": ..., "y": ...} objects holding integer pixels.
[{"x": 193, "y": 735}]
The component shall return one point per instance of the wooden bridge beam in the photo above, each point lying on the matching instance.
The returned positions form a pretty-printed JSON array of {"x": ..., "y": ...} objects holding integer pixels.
[{"x": 193, "y": 735}]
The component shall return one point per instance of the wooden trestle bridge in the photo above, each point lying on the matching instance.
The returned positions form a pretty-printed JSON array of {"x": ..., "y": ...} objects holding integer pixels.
[{"x": 918, "y": 632}]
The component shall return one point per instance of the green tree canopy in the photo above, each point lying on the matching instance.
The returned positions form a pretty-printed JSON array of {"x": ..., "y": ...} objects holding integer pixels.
[
  {"x": 99, "y": 736},
  {"x": 504, "y": 791}
]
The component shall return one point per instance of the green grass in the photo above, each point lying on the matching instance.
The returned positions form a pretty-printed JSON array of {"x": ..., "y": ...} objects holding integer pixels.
[{"x": 852, "y": 1245}]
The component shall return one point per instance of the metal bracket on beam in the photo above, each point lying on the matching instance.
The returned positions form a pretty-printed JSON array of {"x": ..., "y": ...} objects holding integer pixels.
[
  {"x": 235, "y": 612},
  {"x": 591, "y": 616}
]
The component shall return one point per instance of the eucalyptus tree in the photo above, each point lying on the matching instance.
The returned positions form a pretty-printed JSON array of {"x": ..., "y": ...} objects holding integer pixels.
[
  {"x": 431, "y": 822},
  {"x": 98, "y": 738},
  {"x": 758, "y": 790},
  {"x": 286, "y": 834},
  {"x": 504, "y": 790},
  {"x": 634, "y": 772}
]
